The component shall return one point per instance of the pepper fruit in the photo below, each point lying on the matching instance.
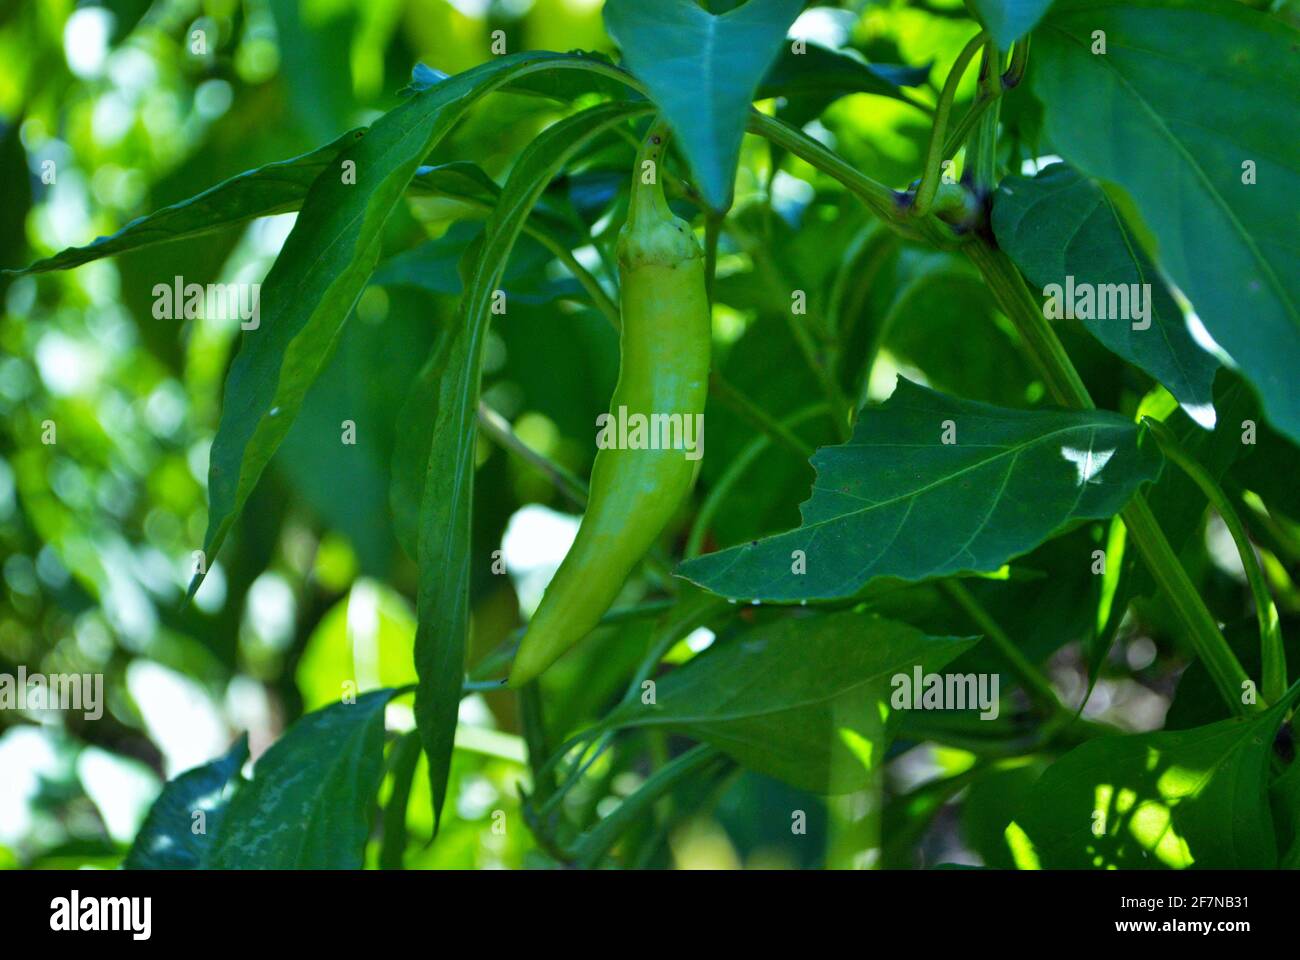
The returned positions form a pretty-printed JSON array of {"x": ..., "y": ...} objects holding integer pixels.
[{"x": 663, "y": 369}]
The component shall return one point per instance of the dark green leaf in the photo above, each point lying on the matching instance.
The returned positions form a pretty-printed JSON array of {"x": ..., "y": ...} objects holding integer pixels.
[
  {"x": 825, "y": 75},
  {"x": 898, "y": 501},
  {"x": 168, "y": 840},
  {"x": 323, "y": 268},
  {"x": 275, "y": 188},
  {"x": 308, "y": 805},
  {"x": 801, "y": 699},
  {"x": 1168, "y": 799},
  {"x": 1285, "y": 796},
  {"x": 702, "y": 71},
  {"x": 447, "y": 499},
  {"x": 1187, "y": 93},
  {"x": 404, "y": 759},
  {"x": 1009, "y": 20},
  {"x": 1060, "y": 224}
]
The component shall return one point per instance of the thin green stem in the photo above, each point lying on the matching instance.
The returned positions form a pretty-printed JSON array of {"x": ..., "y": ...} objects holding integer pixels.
[
  {"x": 498, "y": 429},
  {"x": 735, "y": 470},
  {"x": 934, "y": 153},
  {"x": 1272, "y": 654},
  {"x": 534, "y": 730},
  {"x": 757, "y": 417},
  {"x": 1038, "y": 686},
  {"x": 603, "y": 301},
  {"x": 1063, "y": 381},
  {"x": 1040, "y": 339},
  {"x": 875, "y": 195},
  {"x": 982, "y": 155},
  {"x": 543, "y": 235},
  {"x": 597, "y": 842},
  {"x": 712, "y": 230}
]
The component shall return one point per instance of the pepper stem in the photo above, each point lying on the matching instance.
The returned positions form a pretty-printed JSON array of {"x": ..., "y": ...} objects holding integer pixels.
[{"x": 647, "y": 202}]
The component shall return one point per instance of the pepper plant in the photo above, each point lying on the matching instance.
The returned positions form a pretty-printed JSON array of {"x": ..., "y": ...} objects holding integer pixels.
[{"x": 1000, "y": 448}]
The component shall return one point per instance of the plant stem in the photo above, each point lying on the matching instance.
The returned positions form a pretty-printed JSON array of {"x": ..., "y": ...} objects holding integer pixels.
[
  {"x": 934, "y": 153},
  {"x": 499, "y": 430},
  {"x": 712, "y": 229},
  {"x": 875, "y": 195},
  {"x": 597, "y": 841},
  {"x": 1272, "y": 653},
  {"x": 1018, "y": 303},
  {"x": 757, "y": 417},
  {"x": 1063, "y": 381},
  {"x": 534, "y": 730},
  {"x": 1038, "y": 686},
  {"x": 981, "y": 156},
  {"x": 735, "y": 470}
]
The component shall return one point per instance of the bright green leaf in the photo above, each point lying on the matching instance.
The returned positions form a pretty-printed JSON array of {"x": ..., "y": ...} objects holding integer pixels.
[{"x": 1152, "y": 800}]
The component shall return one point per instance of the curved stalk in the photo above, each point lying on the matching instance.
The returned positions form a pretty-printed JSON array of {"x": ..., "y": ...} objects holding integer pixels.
[
  {"x": 1063, "y": 381},
  {"x": 934, "y": 153},
  {"x": 1272, "y": 654}
]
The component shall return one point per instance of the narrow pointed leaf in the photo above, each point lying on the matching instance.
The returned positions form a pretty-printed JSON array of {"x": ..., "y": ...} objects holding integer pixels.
[
  {"x": 309, "y": 802},
  {"x": 275, "y": 188},
  {"x": 1191, "y": 111},
  {"x": 702, "y": 71},
  {"x": 1061, "y": 224},
  {"x": 899, "y": 501},
  {"x": 322, "y": 270},
  {"x": 801, "y": 699},
  {"x": 447, "y": 501}
]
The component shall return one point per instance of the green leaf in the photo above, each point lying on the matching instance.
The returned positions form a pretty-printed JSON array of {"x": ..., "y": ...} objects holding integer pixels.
[
  {"x": 275, "y": 188},
  {"x": 800, "y": 699},
  {"x": 1009, "y": 20},
  {"x": 432, "y": 266},
  {"x": 1285, "y": 795},
  {"x": 309, "y": 802},
  {"x": 898, "y": 501},
  {"x": 403, "y": 760},
  {"x": 702, "y": 71},
  {"x": 1187, "y": 92},
  {"x": 1168, "y": 799},
  {"x": 1061, "y": 224},
  {"x": 168, "y": 840},
  {"x": 322, "y": 270},
  {"x": 822, "y": 75},
  {"x": 447, "y": 498}
]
